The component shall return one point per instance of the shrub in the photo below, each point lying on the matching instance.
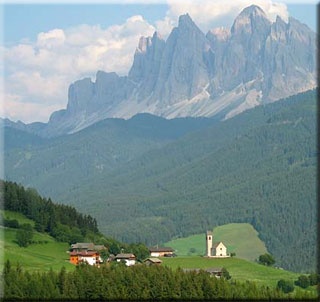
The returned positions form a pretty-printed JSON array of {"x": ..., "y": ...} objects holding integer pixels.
[
  {"x": 11, "y": 223},
  {"x": 24, "y": 236},
  {"x": 225, "y": 274},
  {"x": 285, "y": 286},
  {"x": 303, "y": 281},
  {"x": 314, "y": 279},
  {"x": 266, "y": 259}
]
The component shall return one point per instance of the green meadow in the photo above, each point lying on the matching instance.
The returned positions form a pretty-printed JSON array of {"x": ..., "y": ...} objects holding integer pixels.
[
  {"x": 239, "y": 269},
  {"x": 44, "y": 254},
  {"x": 239, "y": 238},
  {"x": 15, "y": 215},
  {"x": 243, "y": 270}
]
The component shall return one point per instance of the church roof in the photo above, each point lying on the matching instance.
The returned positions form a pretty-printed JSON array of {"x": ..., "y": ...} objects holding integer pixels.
[{"x": 215, "y": 244}]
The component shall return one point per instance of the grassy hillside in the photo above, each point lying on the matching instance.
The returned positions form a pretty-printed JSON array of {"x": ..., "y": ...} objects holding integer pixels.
[
  {"x": 239, "y": 269},
  {"x": 240, "y": 238},
  {"x": 44, "y": 254}
]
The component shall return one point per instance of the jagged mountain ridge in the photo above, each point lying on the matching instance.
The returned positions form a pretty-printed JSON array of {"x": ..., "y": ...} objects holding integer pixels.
[{"x": 192, "y": 74}]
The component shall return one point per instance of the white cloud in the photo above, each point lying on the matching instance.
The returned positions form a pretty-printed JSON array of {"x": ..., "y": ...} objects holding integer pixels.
[
  {"x": 210, "y": 14},
  {"x": 38, "y": 73}
]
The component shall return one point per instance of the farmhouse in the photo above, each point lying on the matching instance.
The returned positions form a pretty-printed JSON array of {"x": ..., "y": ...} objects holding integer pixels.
[
  {"x": 161, "y": 252},
  {"x": 89, "y": 257},
  {"x": 215, "y": 249},
  {"x": 152, "y": 261},
  {"x": 129, "y": 259},
  {"x": 84, "y": 252}
]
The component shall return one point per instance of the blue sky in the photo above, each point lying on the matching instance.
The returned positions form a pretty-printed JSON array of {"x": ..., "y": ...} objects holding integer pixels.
[
  {"x": 48, "y": 16},
  {"x": 43, "y": 17},
  {"x": 49, "y": 46}
]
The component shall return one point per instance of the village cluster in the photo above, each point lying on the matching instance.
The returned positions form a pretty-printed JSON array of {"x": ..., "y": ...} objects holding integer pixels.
[{"x": 91, "y": 254}]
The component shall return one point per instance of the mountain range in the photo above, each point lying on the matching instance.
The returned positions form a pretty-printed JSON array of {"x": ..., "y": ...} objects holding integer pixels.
[
  {"x": 204, "y": 130},
  {"x": 221, "y": 73}
]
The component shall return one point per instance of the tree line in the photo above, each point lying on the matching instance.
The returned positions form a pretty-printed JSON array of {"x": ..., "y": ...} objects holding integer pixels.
[
  {"x": 62, "y": 222},
  {"x": 118, "y": 282}
]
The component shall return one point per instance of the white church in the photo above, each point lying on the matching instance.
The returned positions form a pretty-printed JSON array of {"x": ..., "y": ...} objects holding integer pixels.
[{"x": 215, "y": 249}]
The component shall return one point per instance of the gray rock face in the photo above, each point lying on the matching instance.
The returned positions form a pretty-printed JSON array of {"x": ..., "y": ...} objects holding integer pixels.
[
  {"x": 192, "y": 74},
  {"x": 183, "y": 73}
]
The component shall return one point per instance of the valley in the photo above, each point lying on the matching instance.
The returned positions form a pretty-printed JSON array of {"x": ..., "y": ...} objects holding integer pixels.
[
  {"x": 191, "y": 175},
  {"x": 48, "y": 255},
  {"x": 257, "y": 167}
]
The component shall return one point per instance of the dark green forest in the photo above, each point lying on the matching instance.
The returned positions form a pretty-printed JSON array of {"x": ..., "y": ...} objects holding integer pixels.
[
  {"x": 62, "y": 222},
  {"x": 118, "y": 282},
  {"x": 258, "y": 167}
]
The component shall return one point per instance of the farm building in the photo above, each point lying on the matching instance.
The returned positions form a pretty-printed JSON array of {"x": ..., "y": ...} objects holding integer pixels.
[
  {"x": 90, "y": 257},
  {"x": 129, "y": 259},
  {"x": 152, "y": 261},
  {"x": 161, "y": 252},
  {"x": 84, "y": 252}
]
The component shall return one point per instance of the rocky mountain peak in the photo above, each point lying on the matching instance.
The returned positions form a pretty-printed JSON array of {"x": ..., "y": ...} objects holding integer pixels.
[
  {"x": 249, "y": 20},
  {"x": 185, "y": 21}
]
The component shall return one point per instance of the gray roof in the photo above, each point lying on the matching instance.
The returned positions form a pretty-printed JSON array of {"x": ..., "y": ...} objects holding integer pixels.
[
  {"x": 87, "y": 245},
  {"x": 211, "y": 270},
  {"x": 160, "y": 249},
  {"x": 125, "y": 256},
  {"x": 153, "y": 260},
  {"x": 82, "y": 245}
]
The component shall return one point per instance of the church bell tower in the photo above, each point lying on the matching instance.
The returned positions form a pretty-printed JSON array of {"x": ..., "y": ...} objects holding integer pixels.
[{"x": 209, "y": 240}]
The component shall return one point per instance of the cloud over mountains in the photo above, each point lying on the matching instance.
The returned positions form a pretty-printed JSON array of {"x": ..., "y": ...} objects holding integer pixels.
[{"x": 37, "y": 73}]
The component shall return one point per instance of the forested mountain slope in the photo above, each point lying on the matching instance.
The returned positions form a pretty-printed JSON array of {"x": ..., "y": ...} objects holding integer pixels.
[
  {"x": 56, "y": 165},
  {"x": 258, "y": 167}
]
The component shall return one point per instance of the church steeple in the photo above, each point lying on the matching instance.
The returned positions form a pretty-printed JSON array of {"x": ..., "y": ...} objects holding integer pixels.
[{"x": 209, "y": 240}]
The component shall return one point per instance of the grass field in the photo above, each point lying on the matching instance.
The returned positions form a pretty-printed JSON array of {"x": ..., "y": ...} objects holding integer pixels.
[
  {"x": 50, "y": 254},
  {"x": 14, "y": 215},
  {"x": 44, "y": 254},
  {"x": 37, "y": 256},
  {"x": 239, "y": 269},
  {"x": 240, "y": 238}
]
